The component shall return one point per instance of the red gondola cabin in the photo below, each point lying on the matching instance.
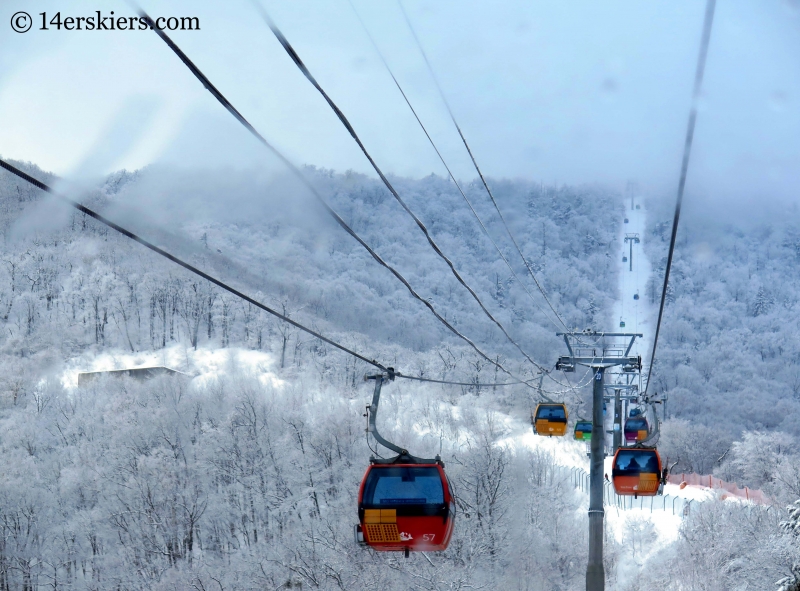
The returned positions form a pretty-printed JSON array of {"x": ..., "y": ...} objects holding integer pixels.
[
  {"x": 405, "y": 507},
  {"x": 636, "y": 472}
]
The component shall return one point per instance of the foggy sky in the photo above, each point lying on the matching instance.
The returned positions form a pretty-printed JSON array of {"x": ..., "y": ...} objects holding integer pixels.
[{"x": 562, "y": 92}]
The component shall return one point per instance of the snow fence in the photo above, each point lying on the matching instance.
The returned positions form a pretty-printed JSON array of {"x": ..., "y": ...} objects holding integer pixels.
[
  {"x": 669, "y": 503},
  {"x": 707, "y": 480}
]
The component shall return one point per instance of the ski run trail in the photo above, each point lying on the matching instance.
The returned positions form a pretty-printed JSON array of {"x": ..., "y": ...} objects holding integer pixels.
[{"x": 640, "y": 316}]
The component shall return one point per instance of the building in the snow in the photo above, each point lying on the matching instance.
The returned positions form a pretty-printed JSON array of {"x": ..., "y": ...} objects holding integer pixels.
[{"x": 139, "y": 373}]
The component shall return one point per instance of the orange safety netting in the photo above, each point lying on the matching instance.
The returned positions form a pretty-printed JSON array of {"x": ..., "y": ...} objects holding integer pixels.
[{"x": 709, "y": 481}]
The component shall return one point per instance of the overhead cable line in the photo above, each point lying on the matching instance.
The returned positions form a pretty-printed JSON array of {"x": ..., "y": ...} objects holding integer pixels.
[
  {"x": 302, "y": 67},
  {"x": 191, "y": 268},
  {"x": 687, "y": 150},
  {"x": 477, "y": 168},
  {"x": 127, "y": 233},
  {"x": 474, "y": 384},
  {"x": 567, "y": 387},
  {"x": 452, "y": 177},
  {"x": 299, "y": 174}
]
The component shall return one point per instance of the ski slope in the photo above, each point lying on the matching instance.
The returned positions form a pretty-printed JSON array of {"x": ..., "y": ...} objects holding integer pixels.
[
  {"x": 628, "y": 525},
  {"x": 639, "y": 315}
]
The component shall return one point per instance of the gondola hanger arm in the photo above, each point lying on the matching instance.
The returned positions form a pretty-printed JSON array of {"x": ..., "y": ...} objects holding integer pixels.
[
  {"x": 654, "y": 436},
  {"x": 372, "y": 410}
]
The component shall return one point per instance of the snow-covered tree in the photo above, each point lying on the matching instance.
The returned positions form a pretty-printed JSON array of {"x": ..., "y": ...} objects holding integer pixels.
[{"x": 792, "y": 527}]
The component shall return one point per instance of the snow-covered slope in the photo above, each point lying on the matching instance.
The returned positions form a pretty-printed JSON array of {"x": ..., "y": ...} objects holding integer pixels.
[{"x": 638, "y": 314}]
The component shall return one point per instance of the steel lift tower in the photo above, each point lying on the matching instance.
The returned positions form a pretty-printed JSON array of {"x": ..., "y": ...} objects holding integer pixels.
[
  {"x": 607, "y": 349},
  {"x": 632, "y": 238}
]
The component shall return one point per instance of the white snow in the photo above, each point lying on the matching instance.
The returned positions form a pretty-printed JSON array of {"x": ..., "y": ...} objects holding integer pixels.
[
  {"x": 695, "y": 493},
  {"x": 564, "y": 450},
  {"x": 639, "y": 315}
]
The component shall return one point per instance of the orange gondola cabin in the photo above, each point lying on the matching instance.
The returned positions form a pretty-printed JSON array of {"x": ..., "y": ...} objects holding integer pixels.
[
  {"x": 405, "y": 507},
  {"x": 637, "y": 472},
  {"x": 550, "y": 419}
]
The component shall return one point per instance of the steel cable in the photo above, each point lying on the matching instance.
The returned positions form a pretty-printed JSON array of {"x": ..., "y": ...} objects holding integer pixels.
[
  {"x": 128, "y": 234},
  {"x": 477, "y": 168},
  {"x": 687, "y": 150},
  {"x": 239, "y": 117},
  {"x": 567, "y": 387},
  {"x": 485, "y": 183},
  {"x": 444, "y": 163},
  {"x": 474, "y": 384},
  {"x": 302, "y": 67}
]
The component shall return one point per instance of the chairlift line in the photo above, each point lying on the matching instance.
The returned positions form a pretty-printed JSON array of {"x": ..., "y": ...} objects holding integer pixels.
[
  {"x": 475, "y": 164},
  {"x": 687, "y": 150},
  {"x": 346, "y": 123},
  {"x": 447, "y": 167},
  {"x": 299, "y": 174},
  {"x": 407, "y": 503}
]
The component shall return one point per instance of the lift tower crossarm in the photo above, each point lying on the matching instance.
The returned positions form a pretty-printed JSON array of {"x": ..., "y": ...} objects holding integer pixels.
[{"x": 599, "y": 356}]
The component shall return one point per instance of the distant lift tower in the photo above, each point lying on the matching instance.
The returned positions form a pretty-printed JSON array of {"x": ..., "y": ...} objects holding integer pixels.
[
  {"x": 606, "y": 350},
  {"x": 631, "y": 238},
  {"x": 632, "y": 188}
]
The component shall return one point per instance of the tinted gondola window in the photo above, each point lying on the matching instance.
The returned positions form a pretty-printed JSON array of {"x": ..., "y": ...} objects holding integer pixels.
[
  {"x": 635, "y": 462},
  {"x": 636, "y": 425},
  {"x": 404, "y": 486},
  {"x": 551, "y": 413}
]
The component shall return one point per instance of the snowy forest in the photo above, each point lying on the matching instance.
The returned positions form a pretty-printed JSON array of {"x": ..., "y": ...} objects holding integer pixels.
[{"x": 243, "y": 471}]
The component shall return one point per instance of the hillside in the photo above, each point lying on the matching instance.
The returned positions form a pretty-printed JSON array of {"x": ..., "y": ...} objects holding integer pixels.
[{"x": 244, "y": 474}]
